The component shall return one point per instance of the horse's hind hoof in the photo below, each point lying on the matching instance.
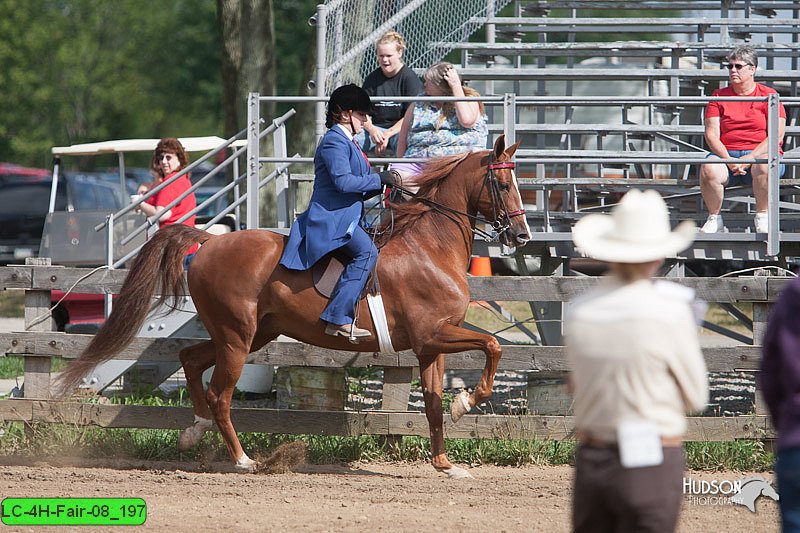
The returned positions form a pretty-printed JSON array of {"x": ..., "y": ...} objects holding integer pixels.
[
  {"x": 245, "y": 465},
  {"x": 455, "y": 472},
  {"x": 190, "y": 437},
  {"x": 460, "y": 406}
]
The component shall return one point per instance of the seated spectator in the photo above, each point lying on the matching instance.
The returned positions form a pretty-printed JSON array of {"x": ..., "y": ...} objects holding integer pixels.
[
  {"x": 735, "y": 130},
  {"x": 433, "y": 129},
  {"x": 393, "y": 78},
  {"x": 169, "y": 158}
]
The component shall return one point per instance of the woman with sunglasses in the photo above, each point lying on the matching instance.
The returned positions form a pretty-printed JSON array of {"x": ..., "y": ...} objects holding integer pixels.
[
  {"x": 734, "y": 130},
  {"x": 169, "y": 158}
]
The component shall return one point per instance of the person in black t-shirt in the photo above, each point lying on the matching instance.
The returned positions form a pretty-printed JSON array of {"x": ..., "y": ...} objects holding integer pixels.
[{"x": 393, "y": 78}]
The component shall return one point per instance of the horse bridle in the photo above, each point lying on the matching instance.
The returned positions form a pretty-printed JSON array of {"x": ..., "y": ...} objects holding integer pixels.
[
  {"x": 493, "y": 186},
  {"x": 502, "y": 220}
]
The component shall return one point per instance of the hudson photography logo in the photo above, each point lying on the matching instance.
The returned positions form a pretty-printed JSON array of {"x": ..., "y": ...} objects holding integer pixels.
[{"x": 744, "y": 491}]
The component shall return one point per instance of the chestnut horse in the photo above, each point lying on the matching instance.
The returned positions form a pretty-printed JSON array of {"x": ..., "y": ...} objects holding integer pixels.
[{"x": 245, "y": 299}]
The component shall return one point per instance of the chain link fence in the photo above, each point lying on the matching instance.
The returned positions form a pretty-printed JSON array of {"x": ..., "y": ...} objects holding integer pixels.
[{"x": 353, "y": 27}]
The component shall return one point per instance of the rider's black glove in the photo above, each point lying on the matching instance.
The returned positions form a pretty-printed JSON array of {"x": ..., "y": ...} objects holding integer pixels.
[{"x": 389, "y": 177}]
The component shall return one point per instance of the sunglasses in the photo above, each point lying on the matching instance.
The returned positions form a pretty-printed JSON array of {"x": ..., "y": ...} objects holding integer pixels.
[{"x": 737, "y": 66}]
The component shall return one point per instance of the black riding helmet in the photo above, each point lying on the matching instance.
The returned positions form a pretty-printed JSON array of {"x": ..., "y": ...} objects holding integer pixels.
[{"x": 349, "y": 97}]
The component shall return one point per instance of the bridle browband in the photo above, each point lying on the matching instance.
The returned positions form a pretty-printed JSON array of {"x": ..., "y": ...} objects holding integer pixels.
[{"x": 502, "y": 217}]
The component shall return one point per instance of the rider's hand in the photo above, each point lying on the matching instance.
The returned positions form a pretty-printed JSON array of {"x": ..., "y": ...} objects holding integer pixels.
[{"x": 390, "y": 178}]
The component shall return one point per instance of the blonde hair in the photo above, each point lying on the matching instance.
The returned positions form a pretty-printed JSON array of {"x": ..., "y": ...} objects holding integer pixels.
[
  {"x": 435, "y": 74},
  {"x": 392, "y": 37}
]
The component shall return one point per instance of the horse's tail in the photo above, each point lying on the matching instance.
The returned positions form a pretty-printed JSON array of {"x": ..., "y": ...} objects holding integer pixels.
[{"x": 157, "y": 268}]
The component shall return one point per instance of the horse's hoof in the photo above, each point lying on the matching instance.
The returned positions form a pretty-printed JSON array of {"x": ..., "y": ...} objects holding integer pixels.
[
  {"x": 191, "y": 436},
  {"x": 455, "y": 472},
  {"x": 460, "y": 406},
  {"x": 245, "y": 465}
]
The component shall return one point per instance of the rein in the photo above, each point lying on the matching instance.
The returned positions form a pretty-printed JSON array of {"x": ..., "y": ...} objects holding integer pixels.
[{"x": 499, "y": 210}]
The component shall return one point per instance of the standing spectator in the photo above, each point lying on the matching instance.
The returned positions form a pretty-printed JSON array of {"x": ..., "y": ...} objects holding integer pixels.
[
  {"x": 432, "y": 129},
  {"x": 636, "y": 369},
  {"x": 169, "y": 158},
  {"x": 779, "y": 382},
  {"x": 392, "y": 78},
  {"x": 735, "y": 130}
]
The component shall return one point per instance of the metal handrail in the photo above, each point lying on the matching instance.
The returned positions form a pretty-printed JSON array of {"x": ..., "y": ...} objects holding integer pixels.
[{"x": 239, "y": 151}]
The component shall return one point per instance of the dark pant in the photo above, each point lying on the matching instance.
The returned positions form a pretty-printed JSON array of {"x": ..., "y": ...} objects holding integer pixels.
[
  {"x": 363, "y": 254},
  {"x": 610, "y": 498},
  {"x": 787, "y": 469}
]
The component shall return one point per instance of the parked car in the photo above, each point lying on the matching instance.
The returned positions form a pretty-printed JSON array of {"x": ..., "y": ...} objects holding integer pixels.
[
  {"x": 24, "y": 201},
  {"x": 24, "y": 197}
]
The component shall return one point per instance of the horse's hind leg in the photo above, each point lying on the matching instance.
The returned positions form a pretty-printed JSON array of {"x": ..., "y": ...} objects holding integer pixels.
[
  {"x": 230, "y": 362},
  {"x": 432, "y": 378},
  {"x": 195, "y": 360}
]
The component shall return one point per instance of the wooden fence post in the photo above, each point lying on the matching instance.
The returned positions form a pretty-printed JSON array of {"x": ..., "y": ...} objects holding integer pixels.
[
  {"x": 396, "y": 391},
  {"x": 37, "y": 318},
  {"x": 761, "y": 312}
]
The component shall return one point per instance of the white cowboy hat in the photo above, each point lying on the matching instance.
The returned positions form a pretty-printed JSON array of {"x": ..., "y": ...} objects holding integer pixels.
[{"x": 637, "y": 231}]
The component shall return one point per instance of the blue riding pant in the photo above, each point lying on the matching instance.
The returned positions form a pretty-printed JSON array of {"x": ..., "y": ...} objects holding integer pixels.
[{"x": 363, "y": 254}]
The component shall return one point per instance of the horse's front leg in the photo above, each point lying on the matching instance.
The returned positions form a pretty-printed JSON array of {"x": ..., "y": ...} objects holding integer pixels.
[
  {"x": 452, "y": 339},
  {"x": 432, "y": 377}
]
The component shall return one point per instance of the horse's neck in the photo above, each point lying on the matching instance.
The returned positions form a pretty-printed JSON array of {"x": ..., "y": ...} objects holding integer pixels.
[{"x": 449, "y": 231}]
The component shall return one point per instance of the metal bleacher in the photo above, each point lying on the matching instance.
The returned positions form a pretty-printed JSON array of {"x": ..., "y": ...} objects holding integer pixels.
[{"x": 608, "y": 95}]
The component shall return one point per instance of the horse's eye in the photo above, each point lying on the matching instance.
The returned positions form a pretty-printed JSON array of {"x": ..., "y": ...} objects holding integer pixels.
[{"x": 504, "y": 186}]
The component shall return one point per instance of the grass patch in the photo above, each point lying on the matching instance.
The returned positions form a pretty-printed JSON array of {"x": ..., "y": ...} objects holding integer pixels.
[
  {"x": 12, "y": 303},
  {"x": 12, "y": 366},
  {"x": 741, "y": 455},
  {"x": 483, "y": 316},
  {"x": 59, "y": 440}
]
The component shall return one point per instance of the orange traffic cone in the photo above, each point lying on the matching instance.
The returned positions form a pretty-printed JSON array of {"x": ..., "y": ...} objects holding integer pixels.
[{"x": 480, "y": 266}]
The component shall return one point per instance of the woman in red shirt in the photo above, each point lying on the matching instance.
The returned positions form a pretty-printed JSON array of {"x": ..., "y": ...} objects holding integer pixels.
[
  {"x": 734, "y": 130},
  {"x": 170, "y": 158}
]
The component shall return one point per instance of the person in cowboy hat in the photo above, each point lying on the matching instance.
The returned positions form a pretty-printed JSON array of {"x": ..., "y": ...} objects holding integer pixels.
[
  {"x": 636, "y": 370},
  {"x": 342, "y": 181}
]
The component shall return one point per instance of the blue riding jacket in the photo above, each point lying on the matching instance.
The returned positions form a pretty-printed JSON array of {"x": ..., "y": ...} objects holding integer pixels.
[{"x": 342, "y": 181}]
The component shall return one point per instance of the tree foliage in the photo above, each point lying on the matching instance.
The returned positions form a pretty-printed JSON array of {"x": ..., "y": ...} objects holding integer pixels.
[{"x": 90, "y": 70}]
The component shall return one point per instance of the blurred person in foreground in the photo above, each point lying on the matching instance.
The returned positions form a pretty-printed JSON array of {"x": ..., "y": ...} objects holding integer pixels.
[
  {"x": 637, "y": 369},
  {"x": 169, "y": 158},
  {"x": 779, "y": 382},
  {"x": 736, "y": 130},
  {"x": 434, "y": 129},
  {"x": 392, "y": 78}
]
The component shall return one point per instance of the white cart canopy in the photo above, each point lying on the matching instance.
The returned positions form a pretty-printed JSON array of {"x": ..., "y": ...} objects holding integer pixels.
[{"x": 190, "y": 144}]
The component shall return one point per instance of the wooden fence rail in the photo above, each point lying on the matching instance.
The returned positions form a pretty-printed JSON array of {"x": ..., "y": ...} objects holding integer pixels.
[{"x": 37, "y": 347}]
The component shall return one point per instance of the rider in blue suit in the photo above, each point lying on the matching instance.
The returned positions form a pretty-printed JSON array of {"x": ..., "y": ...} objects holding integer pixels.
[{"x": 342, "y": 181}]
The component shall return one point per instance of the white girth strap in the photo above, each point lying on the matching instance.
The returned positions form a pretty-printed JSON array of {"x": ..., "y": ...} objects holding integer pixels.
[{"x": 379, "y": 319}]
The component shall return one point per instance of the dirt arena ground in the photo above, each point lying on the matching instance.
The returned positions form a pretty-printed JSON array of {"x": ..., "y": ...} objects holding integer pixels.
[{"x": 357, "y": 497}]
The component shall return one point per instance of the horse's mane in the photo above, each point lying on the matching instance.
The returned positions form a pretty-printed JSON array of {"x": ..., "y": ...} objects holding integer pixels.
[{"x": 406, "y": 214}]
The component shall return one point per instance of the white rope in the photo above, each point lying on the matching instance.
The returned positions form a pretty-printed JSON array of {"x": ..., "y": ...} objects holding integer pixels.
[{"x": 49, "y": 312}]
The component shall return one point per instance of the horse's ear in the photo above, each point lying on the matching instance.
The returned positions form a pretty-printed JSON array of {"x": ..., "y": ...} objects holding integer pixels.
[
  {"x": 499, "y": 146},
  {"x": 512, "y": 149}
]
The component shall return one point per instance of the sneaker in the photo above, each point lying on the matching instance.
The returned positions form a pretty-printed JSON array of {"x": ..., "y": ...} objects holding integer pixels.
[
  {"x": 713, "y": 224},
  {"x": 761, "y": 223}
]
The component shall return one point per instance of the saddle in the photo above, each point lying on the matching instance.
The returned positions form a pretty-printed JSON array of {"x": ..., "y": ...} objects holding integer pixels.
[{"x": 327, "y": 271}]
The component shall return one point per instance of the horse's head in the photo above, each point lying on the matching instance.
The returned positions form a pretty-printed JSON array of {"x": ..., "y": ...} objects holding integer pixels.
[{"x": 500, "y": 201}]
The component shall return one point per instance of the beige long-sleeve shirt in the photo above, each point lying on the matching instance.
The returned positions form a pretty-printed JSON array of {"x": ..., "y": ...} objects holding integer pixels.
[{"x": 635, "y": 355}]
